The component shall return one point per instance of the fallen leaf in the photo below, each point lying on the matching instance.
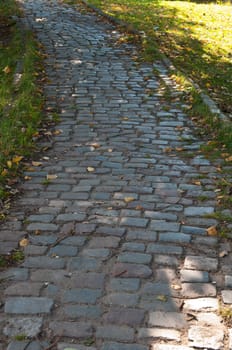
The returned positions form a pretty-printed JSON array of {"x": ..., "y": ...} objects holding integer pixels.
[
  {"x": 229, "y": 159},
  {"x": 7, "y": 70},
  {"x": 223, "y": 254},
  {"x": 198, "y": 183},
  {"x": 168, "y": 149},
  {"x": 9, "y": 164},
  {"x": 24, "y": 242},
  {"x": 129, "y": 199},
  {"x": 17, "y": 159},
  {"x": 90, "y": 169},
  {"x": 212, "y": 231},
  {"x": 36, "y": 163},
  {"x": 139, "y": 207},
  {"x": 162, "y": 298},
  {"x": 4, "y": 172},
  {"x": 95, "y": 145},
  {"x": 175, "y": 287},
  {"x": 57, "y": 132},
  {"x": 51, "y": 176},
  {"x": 179, "y": 149},
  {"x": 37, "y": 232},
  {"x": 27, "y": 177}
]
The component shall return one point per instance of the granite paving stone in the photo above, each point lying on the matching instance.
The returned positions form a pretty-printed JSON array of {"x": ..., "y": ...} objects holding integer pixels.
[{"x": 117, "y": 255}]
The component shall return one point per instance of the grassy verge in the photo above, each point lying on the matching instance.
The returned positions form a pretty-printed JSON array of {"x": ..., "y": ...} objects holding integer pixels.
[{"x": 20, "y": 103}]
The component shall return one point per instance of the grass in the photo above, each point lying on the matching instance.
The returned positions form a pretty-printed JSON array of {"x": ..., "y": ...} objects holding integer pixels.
[{"x": 20, "y": 104}]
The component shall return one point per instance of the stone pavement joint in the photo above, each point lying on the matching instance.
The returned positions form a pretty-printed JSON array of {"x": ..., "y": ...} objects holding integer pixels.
[{"x": 118, "y": 256}]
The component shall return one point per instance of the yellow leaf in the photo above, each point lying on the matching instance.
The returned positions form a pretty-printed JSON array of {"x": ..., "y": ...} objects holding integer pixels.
[
  {"x": 9, "y": 164},
  {"x": 168, "y": 149},
  {"x": 36, "y": 163},
  {"x": 175, "y": 287},
  {"x": 4, "y": 172},
  {"x": 95, "y": 145},
  {"x": 57, "y": 132},
  {"x": 17, "y": 159},
  {"x": 90, "y": 169},
  {"x": 129, "y": 199},
  {"x": 212, "y": 231},
  {"x": 197, "y": 183},
  {"x": 229, "y": 159},
  {"x": 7, "y": 70},
  {"x": 179, "y": 149},
  {"x": 27, "y": 177},
  {"x": 24, "y": 242},
  {"x": 51, "y": 176},
  {"x": 162, "y": 298}
]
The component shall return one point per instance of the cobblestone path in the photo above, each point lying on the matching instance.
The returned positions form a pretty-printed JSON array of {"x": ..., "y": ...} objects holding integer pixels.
[{"x": 118, "y": 255}]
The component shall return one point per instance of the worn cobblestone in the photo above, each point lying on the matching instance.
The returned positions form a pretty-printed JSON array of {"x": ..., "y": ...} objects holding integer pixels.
[{"x": 118, "y": 255}]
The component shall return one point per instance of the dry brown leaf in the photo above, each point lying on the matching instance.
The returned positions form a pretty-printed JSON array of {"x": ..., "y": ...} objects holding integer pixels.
[
  {"x": 175, "y": 287},
  {"x": 51, "y": 176},
  {"x": 57, "y": 132},
  {"x": 162, "y": 298},
  {"x": 223, "y": 254},
  {"x": 27, "y": 177},
  {"x": 212, "y": 231},
  {"x": 229, "y": 159},
  {"x": 168, "y": 149},
  {"x": 95, "y": 145},
  {"x": 4, "y": 172},
  {"x": 36, "y": 163},
  {"x": 179, "y": 149},
  {"x": 24, "y": 242},
  {"x": 7, "y": 70},
  {"x": 129, "y": 199}
]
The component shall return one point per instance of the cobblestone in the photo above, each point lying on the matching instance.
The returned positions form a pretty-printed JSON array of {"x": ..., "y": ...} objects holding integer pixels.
[{"x": 118, "y": 254}]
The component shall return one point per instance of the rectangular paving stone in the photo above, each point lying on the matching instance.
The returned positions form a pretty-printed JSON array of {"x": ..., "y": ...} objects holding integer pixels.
[
  {"x": 133, "y": 246},
  {"x": 83, "y": 263},
  {"x": 84, "y": 311},
  {"x": 24, "y": 289},
  {"x": 164, "y": 249},
  {"x": 83, "y": 295},
  {"x": 40, "y": 226},
  {"x": 166, "y": 260},
  {"x": 199, "y": 262},
  {"x": 133, "y": 257},
  {"x": 227, "y": 296},
  {"x": 99, "y": 253},
  {"x": 198, "y": 211},
  {"x": 176, "y": 237},
  {"x": 133, "y": 222},
  {"x": 104, "y": 242},
  {"x": 168, "y": 334},
  {"x": 131, "y": 270},
  {"x": 72, "y": 329},
  {"x": 162, "y": 225},
  {"x": 124, "y": 284},
  {"x": 92, "y": 280},
  {"x": 70, "y": 217},
  {"x": 123, "y": 299},
  {"x": 44, "y": 262},
  {"x": 194, "y": 276},
  {"x": 206, "y": 337},
  {"x": 120, "y": 333},
  {"x": 142, "y": 235},
  {"x": 150, "y": 302},
  {"x": 128, "y": 316},
  {"x": 28, "y": 305},
  {"x": 201, "y": 304},
  {"x": 196, "y": 290},
  {"x": 167, "y": 319}
]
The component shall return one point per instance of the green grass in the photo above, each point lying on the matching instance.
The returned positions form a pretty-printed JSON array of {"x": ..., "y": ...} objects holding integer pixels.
[{"x": 21, "y": 104}]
